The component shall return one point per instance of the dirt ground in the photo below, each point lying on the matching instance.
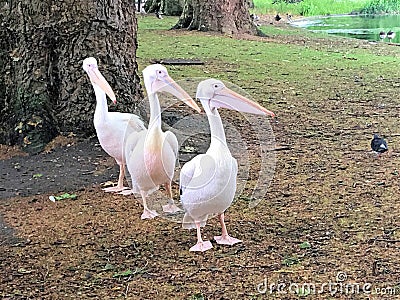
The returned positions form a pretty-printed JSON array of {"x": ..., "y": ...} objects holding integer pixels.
[{"x": 329, "y": 220}]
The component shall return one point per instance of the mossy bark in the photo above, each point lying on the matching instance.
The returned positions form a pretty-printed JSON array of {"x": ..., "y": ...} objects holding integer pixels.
[
  {"x": 225, "y": 16},
  {"x": 43, "y": 88}
]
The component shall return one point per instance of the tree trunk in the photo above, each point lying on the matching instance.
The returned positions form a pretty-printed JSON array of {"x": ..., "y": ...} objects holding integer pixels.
[
  {"x": 152, "y": 6},
  {"x": 165, "y": 7},
  {"x": 171, "y": 7},
  {"x": 43, "y": 89},
  {"x": 225, "y": 16}
]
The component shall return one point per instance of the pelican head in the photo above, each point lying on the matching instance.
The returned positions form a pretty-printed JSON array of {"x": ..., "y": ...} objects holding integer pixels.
[
  {"x": 214, "y": 94},
  {"x": 156, "y": 79},
  {"x": 90, "y": 66}
]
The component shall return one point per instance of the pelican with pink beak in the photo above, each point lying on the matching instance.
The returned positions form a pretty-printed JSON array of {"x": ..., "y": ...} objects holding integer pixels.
[
  {"x": 151, "y": 154},
  {"x": 208, "y": 181},
  {"x": 110, "y": 127}
]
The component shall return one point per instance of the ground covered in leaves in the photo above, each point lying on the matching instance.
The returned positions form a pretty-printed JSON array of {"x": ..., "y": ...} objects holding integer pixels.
[{"x": 327, "y": 227}]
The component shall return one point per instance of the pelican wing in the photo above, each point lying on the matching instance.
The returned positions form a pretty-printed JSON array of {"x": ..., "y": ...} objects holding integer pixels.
[
  {"x": 186, "y": 176},
  {"x": 187, "y": 173},
  {"x": 131, "y": 141},
  {"x": 195, "y": 172},
  {"x": 195, "y": 179},
  {"x": 171, "y": 139},
  {"x": 133, "y": 122},
  {"x": 136, "y": 123}
]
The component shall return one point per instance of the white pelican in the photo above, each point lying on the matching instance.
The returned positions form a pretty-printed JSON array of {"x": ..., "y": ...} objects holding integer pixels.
[
  {"x": 110, "y": 126},
  {"x": 151, "y": 154},
  {"x": 208, "y": 181}
]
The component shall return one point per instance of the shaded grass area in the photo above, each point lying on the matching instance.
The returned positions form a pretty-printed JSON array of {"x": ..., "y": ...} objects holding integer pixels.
[{"x": 332, "y": 208}]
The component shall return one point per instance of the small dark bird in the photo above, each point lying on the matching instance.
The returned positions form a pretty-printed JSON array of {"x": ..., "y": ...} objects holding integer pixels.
[
  {"x": 390, "y": 35},
  {"x": 379, "y": 145},
  {"x": 255, "y": 19},
  {"x": 277, "y": 17},
  {"x": 289, "y": 18},
  {"x": 382, "y": 35}
]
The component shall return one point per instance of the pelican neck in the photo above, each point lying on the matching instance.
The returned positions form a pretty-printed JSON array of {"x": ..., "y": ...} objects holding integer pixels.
[
  {"x": 101, "y": 102},
  {"x": 217, "y": 129},
  {"x": 155, "y": 111}
]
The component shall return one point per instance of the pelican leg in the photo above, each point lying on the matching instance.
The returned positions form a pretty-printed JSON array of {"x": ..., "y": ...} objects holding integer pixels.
[
  {"x": 147, "y": 213},
  {"x": 225, "y": 239},
  {"x": 170, "y": 207},
  {"x": 201, "y": 245},
  {"x": 120, "y": 186}
]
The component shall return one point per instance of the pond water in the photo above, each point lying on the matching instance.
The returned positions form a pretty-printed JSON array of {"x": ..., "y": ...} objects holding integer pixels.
[{"x": 366, "y": 27}]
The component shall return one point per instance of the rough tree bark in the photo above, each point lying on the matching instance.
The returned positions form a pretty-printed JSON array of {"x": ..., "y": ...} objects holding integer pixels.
[
  {"x": 43, "y": 89},
  {"x": 225, "y": 16}
]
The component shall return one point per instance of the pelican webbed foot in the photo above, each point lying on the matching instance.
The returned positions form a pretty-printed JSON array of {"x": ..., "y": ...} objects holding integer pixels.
[
  {"x": 148, "y": 214},
  {"x": 126, "y": 192},
  {"x": 171, "y": 208},
  {"x": 115, "y": 189},
  {"x": 226, "y": 240},
  {"x": 201, "y": 246}
]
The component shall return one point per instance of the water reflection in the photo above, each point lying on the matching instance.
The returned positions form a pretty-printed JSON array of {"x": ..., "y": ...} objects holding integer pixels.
[{"x": 367, "y": 27}]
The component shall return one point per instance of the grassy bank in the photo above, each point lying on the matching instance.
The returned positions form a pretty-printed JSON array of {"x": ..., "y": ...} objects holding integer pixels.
[
  {"x": 326, "y": 7},
  {"x": 223, "y": 52},
  {"x": 309, "y": 7}
]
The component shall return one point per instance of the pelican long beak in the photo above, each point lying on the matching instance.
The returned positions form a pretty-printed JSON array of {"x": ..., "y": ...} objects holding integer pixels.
[
  {"x": 96, "y": 77},
  {"x": 226, "y": 98},
  {"x": 167, "y": 84}
]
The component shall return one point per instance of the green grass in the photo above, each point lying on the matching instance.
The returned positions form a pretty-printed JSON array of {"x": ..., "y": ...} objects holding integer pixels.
[
  {"x": 151, "y": 23},
  {"x": 267, "y": 70},
  {"x": 310, "y": 7},
  {"x": 250, "y": 59}
]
